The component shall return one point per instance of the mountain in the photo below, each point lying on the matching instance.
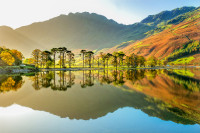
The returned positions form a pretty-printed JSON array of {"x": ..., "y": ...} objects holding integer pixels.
[
  {"x": 166, "y": 15},
  {"x": 81, "y": 31},
  {"x": 177, "y": 40},
  {"x": 74, "y": 31},
  {"x": 13, "y": 39}
]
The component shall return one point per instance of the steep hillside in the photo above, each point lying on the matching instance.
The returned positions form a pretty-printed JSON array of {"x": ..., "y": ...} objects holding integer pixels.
[
  {"x": 14, "y": 40},
  {"x": 166, "y": 15},
  {"x": 83, "y": 30},
  {"x": 176, "y": 41}
]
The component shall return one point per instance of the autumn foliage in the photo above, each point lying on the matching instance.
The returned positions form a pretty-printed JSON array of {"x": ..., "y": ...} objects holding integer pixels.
[
  {"x": 10, "y": 83},
  {"x": 174, "y": 41},
  {"x": 10, "y": 57}
]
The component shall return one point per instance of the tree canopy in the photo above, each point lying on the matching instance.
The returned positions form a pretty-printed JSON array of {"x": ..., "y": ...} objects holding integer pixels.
[{"x": 10, "y": 57}]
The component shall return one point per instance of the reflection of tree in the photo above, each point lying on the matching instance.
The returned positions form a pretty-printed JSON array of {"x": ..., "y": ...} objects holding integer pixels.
[
  {"x": 71, "y": 78},
  {"x": 10, "y": 83},
  {"x": 178, "y": 93},
  {"x": 114, "y": 74},
  {"x": 46, "y": 79},
  {"x": 151, "y": 74},
  {"x": 88, "y": 79},
  {"x": 115, "y": 77},
  {"x": 54, "y": 85},
  {"x": 83, "y": 84},
  {"x": 159, "y": 94},
  {"x": 189, "y": 83},
  {"x": 61, "y": 85},
  {"x": 65, "y": 81},
  {"x": 103, "y": 79},
  {"x": 36, "y": 83},
  {"x": 118, "y": 78},
  {"x": 134, "y": 75},
  {"x": 106, "y": 78},
  {"x": 121, "y": 78},
  {"x": 49, "y": 79},
  {"x": 42, "y": 79},
  {"x": 62, "y": 82}
]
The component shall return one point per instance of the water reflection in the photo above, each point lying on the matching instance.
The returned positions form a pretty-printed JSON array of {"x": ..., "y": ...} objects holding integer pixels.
[
  {"x": 167, "y": 94},
  {"x": 10, "y": 83},
  {"x": 88, "y": 79},
  {"x": 61, "y": 80}
]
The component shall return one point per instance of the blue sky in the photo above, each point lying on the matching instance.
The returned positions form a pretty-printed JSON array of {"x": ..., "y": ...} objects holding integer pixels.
[
  {"x": 16, "y": 13},
  {"x": 145, "y": 7}
]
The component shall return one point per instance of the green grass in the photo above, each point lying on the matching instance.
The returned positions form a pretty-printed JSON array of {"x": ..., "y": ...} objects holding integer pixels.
[
  {"x": 16, "y": 67},
  {"x": 139, "y": 45},
  {"x": 145, "y": 45},
  {"x": 29, "y": 67},
  {"x": 157, "y": 30},
  {"x": 183, "y": 61},
  {"x": 185, "y": 26},
  {"x": 189, "y": 48}
]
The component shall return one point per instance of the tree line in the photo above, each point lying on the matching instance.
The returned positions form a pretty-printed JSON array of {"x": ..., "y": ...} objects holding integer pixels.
[
  {"x": 66, "y": 58},
  {"x": 192, "y": 47},
  {"x": 45, "y": 59}
]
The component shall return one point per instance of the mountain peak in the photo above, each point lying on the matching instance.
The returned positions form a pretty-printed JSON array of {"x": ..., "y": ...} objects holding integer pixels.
[{"x": 167, "y": 15}]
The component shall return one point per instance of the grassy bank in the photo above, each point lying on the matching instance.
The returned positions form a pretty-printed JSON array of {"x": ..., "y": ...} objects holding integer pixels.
[
  {"x": 28, "y": 69},
  {"x": 17, "y": 69}
]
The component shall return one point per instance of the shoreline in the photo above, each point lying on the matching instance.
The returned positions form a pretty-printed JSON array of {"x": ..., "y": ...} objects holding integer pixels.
[
  {"x": 86, "y": 69},
  {"x": 28, "y": 70},
  {"x": 11, "y": 70}
]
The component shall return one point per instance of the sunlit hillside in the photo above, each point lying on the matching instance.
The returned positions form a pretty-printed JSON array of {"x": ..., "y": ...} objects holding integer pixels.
[
  {"x": 178, "y": 38},
  {"x": 81, "y": 31}
]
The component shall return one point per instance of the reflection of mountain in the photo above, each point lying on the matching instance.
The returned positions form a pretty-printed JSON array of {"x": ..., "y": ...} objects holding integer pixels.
[
  {"x": 180, "y": 96},
  {"x": 96, "y": 101}
]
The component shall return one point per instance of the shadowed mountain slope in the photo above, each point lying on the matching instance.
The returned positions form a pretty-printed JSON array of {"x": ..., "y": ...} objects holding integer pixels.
[
  {"x": 14, "y": 40},
  {"x": 81, "y": 30}
]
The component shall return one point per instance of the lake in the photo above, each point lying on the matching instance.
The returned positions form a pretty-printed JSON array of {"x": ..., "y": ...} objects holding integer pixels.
[{"x": 104, "y": 101}]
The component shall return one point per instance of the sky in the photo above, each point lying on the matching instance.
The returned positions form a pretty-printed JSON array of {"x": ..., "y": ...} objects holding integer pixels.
[{"x": 17, "y": 13}]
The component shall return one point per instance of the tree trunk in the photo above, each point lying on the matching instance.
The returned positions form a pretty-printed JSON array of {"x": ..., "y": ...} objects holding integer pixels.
[
  {"x": 60, "y": 60},
  {"x": 54, "y": 60},
  {"x": 63, "y": 62},
  {"x": 83, "y": 60}
]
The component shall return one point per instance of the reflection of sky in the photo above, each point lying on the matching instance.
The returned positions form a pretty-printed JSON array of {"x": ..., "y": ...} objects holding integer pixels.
[{"x": 18, "y": 119}]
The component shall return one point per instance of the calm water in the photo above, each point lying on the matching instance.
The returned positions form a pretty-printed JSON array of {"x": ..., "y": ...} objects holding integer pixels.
[{"x": 143, "y": 101}]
